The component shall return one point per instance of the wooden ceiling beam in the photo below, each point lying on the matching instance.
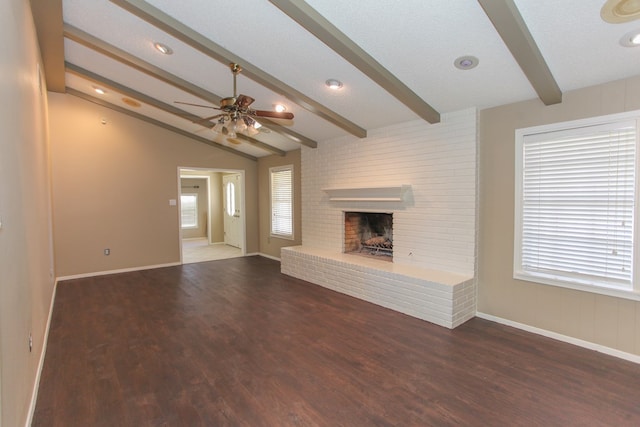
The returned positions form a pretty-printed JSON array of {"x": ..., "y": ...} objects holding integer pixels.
[
  {"x": 175, "y": 28},
  {"x": 87, "y": 40},
  {"x": 330, "y": 35},
  {"x": 117, "y": 87},
  {"x": 155, "y": 122},
  {"x": 124, "y": 90},
  {"x": 508, "y": 22},
  {"x": 47, "y": 17}
]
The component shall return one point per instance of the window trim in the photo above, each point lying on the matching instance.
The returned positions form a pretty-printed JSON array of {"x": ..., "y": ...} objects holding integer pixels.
[
  {"x": 272, "y": 170},
  {"x": 518, "y": 273}
]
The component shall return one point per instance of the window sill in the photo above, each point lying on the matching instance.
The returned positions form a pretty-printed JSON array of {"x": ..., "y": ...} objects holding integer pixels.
[
  {"x": 280, "y": 236},
  {"x": 600, "y": 290}
]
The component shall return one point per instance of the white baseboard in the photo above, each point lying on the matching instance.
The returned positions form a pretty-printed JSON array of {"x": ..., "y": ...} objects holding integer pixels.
[
  {"x": 36, "y": 386},
  {"x": 565, "y": 338},
  {"x": 268, "y": 256},
  {"x": 122, "y": 270}
]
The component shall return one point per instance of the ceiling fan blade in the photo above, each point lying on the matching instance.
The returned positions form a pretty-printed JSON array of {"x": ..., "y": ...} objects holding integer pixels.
[
  {"x": 196, "y": 105},
  {"x": 244, "y": 101},
  {"x": 272, "y": 114}
]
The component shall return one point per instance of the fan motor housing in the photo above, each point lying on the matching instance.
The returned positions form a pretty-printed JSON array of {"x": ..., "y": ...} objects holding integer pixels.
[{"x": 227, "y": 102}]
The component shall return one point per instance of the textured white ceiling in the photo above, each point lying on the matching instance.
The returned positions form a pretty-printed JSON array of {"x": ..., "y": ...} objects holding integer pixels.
[{"x": 417, "y": 40}]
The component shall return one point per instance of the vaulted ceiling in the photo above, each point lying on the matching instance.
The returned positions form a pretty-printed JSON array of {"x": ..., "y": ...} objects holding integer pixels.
[{"x": 395, "y": 59}]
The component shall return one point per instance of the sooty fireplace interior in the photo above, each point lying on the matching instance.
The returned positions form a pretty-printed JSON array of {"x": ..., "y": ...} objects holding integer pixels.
[{"x": 369, "y": 234}]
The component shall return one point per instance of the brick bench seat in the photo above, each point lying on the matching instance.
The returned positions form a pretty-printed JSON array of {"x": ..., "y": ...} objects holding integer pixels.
[{"x": 444, "y": 298}]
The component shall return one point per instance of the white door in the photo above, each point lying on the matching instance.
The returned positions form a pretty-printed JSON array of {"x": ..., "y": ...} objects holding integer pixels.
[{"x": 232, "y": 213}]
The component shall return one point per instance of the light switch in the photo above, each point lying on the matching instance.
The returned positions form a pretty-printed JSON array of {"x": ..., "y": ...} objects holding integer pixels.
[{"x": 172, "y": 202}]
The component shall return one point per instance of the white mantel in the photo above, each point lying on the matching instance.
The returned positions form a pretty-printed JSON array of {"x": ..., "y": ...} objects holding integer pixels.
[{"x": 394, "y": 193}]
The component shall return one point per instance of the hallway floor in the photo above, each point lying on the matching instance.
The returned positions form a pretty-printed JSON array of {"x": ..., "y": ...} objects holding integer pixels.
[{"x": 197, "y": 250}]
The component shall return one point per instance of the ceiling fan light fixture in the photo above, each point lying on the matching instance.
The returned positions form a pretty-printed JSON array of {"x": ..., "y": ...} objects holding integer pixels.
[
  {"x": 238, "y": 125},
  {"x": 279, "y": 108},
  {"x": 251, "y": 131},
  {"x": 334, "y": 84},
  {"x": 253, "y": 127},
  {"x": 466, "y": 62},
  {"x": 237, "y": 116},
  {"x": 631, "y": 39},
  {"x": 163, "y": 48},
  {"x": 219, "y": 126}
]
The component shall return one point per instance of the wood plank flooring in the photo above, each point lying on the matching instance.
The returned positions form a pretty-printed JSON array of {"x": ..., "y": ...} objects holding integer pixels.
[{"x": 235, "y": 343}]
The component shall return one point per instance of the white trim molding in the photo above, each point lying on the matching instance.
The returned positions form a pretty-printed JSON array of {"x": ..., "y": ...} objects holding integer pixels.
[
  {"x": 36, "y": 387},
  {"x": 122, "y": 270},
  {"x": 565, "y": 338}
]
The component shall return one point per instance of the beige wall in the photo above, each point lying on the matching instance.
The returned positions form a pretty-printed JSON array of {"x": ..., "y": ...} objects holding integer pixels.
[
  {"x": 271, "y": 245},
  {"x": 112, "y": 184},
  {"x": 26, "y": 266},
  {"x": 603, "y": 320}
]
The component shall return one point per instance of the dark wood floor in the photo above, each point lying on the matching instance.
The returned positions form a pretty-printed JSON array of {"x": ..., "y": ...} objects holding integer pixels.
[{"x": 235, "y": 343}]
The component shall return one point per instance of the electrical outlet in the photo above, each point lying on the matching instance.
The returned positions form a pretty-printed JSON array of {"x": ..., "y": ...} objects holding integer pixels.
[{"x": 107, "y": 251}]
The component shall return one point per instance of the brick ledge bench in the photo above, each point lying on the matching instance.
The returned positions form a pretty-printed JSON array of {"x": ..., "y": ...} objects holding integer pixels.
[{"x": 446, "y": 299}]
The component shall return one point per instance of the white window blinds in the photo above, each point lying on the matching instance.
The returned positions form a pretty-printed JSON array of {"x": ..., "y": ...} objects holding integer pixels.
[
  {"x": 189, "y": 210},
  {"x": 575, "y": 207},
  {"x": 282, "y": 201}
]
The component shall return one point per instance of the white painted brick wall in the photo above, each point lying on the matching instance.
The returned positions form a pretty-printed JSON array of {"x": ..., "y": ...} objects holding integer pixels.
[{"x": 434, "y": 229}]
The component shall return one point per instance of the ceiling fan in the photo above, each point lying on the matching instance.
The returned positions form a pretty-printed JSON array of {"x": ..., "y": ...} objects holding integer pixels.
[{"x": 236, "y": 114}]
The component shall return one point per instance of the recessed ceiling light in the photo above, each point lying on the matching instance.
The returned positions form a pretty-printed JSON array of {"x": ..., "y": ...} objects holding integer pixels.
[
  {"x": 631, "y": 39},
  {"x": 466, "y": 62},
  {"x": 279, "y": 108},
  {"x": 131, "y": 102},
  {"x": 163, "y": 48},
  {"x": 334, "y": 84},
  {"x": 99, "y": 90},
  {"x": 617, "y": 11}
]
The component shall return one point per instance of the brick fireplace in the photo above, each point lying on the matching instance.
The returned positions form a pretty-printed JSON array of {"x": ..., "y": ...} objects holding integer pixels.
[{"x": 425, "y": 175}]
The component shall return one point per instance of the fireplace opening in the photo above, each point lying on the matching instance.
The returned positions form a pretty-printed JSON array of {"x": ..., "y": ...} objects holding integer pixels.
[{"x": 369, "y": 234}]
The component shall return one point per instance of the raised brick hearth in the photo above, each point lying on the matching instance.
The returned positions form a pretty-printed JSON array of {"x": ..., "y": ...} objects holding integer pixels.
[{"x": 445, "y": 299}]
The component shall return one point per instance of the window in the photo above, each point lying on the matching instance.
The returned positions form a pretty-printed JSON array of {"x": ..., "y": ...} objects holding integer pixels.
[
  {"x": 575, "y": 203},
  {"x": 282, "y": 201},
  {"x": 189, "y": 210},
  {"x": 231, "y": 198}
]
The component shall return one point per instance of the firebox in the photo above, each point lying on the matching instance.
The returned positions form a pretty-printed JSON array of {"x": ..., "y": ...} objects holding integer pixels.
[{"x": 369, "y": 234}]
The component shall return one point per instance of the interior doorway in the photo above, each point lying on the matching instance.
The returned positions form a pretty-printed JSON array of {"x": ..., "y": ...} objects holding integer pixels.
[{"x": 202, "y": 209}]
